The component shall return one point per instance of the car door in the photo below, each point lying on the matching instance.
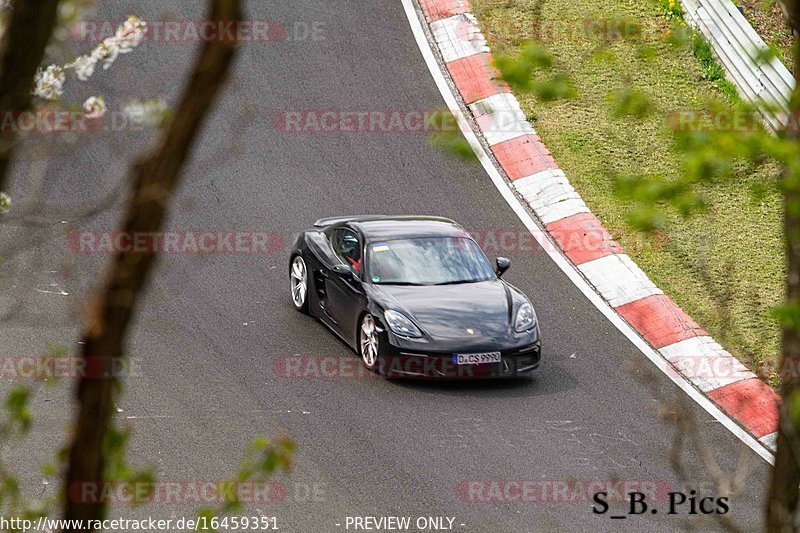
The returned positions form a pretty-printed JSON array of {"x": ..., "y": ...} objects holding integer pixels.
[{"x": 345, "y": 293}]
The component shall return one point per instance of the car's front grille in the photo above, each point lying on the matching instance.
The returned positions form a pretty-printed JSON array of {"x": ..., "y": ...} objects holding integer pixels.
[{"x": 440, "y": 364}]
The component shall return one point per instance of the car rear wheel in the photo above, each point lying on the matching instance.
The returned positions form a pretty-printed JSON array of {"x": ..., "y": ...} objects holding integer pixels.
[
  {"x": 369, "y": 342},
  {"x": 298, "y": 278}
]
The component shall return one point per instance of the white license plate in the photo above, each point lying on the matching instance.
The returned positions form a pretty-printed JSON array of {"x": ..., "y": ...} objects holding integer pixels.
[{"x": 476, "y": 358}]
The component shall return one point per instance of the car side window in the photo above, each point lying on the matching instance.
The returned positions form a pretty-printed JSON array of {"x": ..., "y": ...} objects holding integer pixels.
[{"x": 347, "y": 246}]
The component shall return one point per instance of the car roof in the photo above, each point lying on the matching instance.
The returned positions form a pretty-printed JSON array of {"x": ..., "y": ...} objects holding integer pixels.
[{"x": 388, "y": 228}]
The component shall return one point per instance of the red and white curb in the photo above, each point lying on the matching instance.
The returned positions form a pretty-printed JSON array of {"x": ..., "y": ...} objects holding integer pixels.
[{"x": 687, "y": 350}]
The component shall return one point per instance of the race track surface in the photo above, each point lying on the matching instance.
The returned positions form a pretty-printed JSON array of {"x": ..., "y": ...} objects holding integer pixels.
[{"x": 211, "y": 328}]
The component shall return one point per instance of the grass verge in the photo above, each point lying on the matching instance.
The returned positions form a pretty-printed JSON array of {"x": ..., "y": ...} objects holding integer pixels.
[{"x": 725, "y": 267}]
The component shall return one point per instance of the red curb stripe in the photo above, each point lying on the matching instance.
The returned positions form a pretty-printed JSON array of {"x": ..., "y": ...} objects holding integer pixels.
[
  {"x": 441, "y": 9},
  {"x": 657, "y": 318},
  {"x": 752, "y": 403},
  {"x": 476, "y": 78},
  {"x": 583, "y": 238},
  {"x": 523, "y": 156},
  {"x": 660, "y": 321}
]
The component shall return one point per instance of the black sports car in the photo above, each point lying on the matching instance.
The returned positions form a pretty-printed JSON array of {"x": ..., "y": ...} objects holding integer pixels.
[{"x": 414, "y": 296}]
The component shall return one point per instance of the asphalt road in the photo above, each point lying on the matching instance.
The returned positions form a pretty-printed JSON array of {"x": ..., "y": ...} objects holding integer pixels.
[{"x": 211, "y": 328}]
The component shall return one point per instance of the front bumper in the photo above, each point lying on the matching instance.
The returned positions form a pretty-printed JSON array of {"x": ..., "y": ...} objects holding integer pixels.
[{"x": 401, "y": 362}]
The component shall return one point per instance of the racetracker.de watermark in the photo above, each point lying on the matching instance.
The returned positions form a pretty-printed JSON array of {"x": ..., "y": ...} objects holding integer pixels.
[
  {"x": 706, "y": 120},
  {"x": 348, "y": 367},
  {"x": 203, "y": 30},
  {"x": 183, "y": 492},
  {"x": 364, "y": 121},
  {"x": 522, "y": 491},
  {"x": 196, "y": 492},
  {"x": 68, "y": 366},
  {"x": 177, "y": 242},
  {"x": 594, "y": 240},
  {"x": 714, "y": 366},
  {"x": 49, "y": 120},
  {"x": 564, "y": 30}
]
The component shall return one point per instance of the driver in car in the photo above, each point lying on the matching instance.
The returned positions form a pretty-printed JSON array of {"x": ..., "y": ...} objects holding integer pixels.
[{"x": 349, "y": 249}]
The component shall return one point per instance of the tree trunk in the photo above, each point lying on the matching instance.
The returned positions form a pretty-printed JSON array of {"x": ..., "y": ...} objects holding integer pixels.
[
  {"x": 109, "y": 314},
  {"x": 785, "y": 483},
  {"x": 29, "y": 29}
]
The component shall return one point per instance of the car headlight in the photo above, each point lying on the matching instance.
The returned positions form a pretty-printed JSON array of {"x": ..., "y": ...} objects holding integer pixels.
[
  {"x": 401, "y": 324},
  {"x": 526, "y": 318}
]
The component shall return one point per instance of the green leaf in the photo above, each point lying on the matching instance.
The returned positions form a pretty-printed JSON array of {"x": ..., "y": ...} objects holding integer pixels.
[
  {"x": 787, "y": 314},
  {"x": 453, "y": 143},
  {"x": 647, "y": 219},
  {"x": 793, "y": 407},
  {"x": 628, "y": 102},
  {"x": 558, "y": 87},
  {"x": 680, "y": 36},
  {"x": 17, "y": 407},
  {"x": 518, "y": 70},
  {"x": 766, "y": 54}
]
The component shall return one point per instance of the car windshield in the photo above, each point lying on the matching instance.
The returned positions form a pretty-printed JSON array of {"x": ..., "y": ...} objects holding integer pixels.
[{"x": 427, "y": 261}]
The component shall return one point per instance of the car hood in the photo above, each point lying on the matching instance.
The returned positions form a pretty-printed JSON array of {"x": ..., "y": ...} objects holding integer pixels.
[{"x": 453, "y": 311}]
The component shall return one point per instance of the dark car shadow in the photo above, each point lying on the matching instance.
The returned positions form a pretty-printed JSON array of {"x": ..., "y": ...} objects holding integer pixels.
[
  {"x": 467, "y": 385},
  {"x": 545, "y": 381}
]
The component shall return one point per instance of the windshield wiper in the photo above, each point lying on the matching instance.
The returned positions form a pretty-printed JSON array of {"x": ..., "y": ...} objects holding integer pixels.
[
  {"x": 403, "y": 283},
  {"x": 458, "y": 282}
]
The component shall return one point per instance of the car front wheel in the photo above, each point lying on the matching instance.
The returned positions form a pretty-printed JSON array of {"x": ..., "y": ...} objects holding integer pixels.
[
  {"x": 369, "y": 342},
  {"x": 298, "y": 278}
]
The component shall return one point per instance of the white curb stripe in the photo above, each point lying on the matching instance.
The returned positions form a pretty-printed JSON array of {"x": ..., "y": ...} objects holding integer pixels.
[
  {"x": 770, "y": 441},
  {"x": 705, "y": 363},
  {"x": 550, "y": 195},
  {"x": 500, "y": 118},
  {"x": 458, "y": 36},
  {"x": 564, "y": 209},
  {"x": 618, "y": 279},
  {"x": 536, "y": 182},
  {"x": 569, "y": 269}
]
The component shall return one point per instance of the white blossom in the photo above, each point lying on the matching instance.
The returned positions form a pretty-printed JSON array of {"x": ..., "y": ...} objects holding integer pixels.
[
  {"x": 49, "y": 82},
  {"x": 95, "y": 107},
  {"x": 5, "y": 202},
  {"x": 107, "y": 52},
  {"x": 127, "y": 37},
  {"x": 130, "y": 34},
  {"x": 84, "y": 67},
  {"x": 145, "y": 113}
]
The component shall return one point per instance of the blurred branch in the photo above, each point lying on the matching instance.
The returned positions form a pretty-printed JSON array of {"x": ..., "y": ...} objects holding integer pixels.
[
  {"x": 105, "y": 330},
  {"x": 784, "y": 487},
  {"x": 675, "y": 409},
  {"x": 29, "y": 29}
]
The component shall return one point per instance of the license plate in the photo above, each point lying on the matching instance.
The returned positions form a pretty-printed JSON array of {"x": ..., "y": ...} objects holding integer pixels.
[{"x": 476, "y": 358}]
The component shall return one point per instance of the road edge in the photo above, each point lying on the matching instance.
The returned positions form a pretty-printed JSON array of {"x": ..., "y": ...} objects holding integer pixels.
[{"x": 524, "y": 171}]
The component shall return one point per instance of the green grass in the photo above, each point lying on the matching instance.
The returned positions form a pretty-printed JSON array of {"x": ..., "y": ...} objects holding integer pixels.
[
  {"x": 712, "y": 70},
  {"x": 725, "y": 267}
]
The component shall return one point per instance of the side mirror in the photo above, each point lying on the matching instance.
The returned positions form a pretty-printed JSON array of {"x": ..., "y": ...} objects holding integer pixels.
[
  {"x": 502, "y": 265},
  {"x": 345, "y": 271}
]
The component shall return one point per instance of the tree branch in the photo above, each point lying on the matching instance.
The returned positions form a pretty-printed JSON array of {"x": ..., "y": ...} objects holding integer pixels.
[
  {"x": 784, "y": 486},
  {"x": 29, "y": 30},
  {"x": 105, "y": 328}
]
